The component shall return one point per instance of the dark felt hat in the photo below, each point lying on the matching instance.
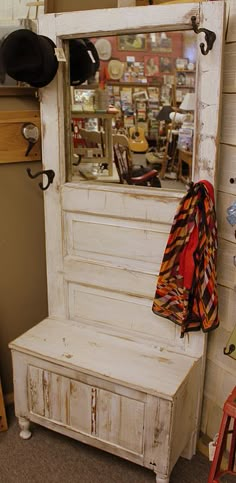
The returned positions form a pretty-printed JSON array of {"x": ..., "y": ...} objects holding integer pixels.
[
  {"x": 84, "y": 60},
  {"x": 28, "y": 57}
]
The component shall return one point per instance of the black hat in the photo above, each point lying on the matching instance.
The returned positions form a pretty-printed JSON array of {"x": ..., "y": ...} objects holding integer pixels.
[
  {"x": 84, "y": 60},
  {"x": 29, "y": 57}
]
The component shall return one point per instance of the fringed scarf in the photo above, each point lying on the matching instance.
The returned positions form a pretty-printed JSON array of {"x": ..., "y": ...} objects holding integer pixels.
[{"x": 186, "y": 291}]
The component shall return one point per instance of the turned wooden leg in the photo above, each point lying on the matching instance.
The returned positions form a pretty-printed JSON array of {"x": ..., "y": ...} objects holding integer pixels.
[
  {"x": 162, "y": 479},
  {"x": 24, "y": 426}
]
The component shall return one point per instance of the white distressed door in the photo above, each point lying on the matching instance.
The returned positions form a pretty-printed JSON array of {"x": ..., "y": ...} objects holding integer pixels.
[{"x": 105, "y": 242}]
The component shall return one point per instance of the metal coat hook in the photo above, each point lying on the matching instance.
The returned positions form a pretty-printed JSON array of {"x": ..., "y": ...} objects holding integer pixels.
[
  {"x": 230, "y": 350},
  {"x": 50, "y": 174},
  {"x": 209, "y": 36},
  {"x": 79, "y": 156}
]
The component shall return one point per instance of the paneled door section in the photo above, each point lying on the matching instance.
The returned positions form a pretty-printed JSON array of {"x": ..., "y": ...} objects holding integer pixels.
[{"x": 113, "y": 418}]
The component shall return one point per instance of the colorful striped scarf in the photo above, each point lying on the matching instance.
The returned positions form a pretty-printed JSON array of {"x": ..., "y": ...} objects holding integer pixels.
[{"x": 186, "y": 291}]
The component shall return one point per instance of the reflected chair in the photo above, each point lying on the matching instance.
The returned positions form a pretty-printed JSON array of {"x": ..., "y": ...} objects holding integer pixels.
[
  {"x": 91, "y": 152},
  {"x": 129, "y": 173},
  {"x": 93, "y": 144},
  {"x": 165, "y": 159}
]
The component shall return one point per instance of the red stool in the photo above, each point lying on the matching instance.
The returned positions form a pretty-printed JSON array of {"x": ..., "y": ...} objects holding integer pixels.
[{"x": 229, "y": 411}]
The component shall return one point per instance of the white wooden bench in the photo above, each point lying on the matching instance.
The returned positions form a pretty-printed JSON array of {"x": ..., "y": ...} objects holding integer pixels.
[{"x": 135, "y": 400}]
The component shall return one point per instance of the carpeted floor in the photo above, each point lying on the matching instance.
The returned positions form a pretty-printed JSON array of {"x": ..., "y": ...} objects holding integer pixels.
[{"x": 52, "y": 458}]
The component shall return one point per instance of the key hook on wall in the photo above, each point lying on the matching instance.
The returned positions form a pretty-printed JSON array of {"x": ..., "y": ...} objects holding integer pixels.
[
  {"x": 209, "y": 36},
  {"x": 50, "y": 174}
]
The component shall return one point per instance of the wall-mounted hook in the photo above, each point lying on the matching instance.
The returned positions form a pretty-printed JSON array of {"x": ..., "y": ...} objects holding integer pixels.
[
  {"x": 30, "y": 132},
  {"x": 79, "y": 157},
  {"x": 230, "y": 350},
  {"x": 209, "y": 36},
  {"x": 50, "y": 174}
]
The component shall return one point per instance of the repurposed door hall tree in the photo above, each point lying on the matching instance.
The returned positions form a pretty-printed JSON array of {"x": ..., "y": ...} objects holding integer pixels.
[{"x": 102, "y": 368}]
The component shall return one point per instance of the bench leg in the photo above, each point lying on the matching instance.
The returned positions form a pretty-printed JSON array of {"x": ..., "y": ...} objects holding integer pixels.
[
  {"x": 24, "y": 426},
  {"x": 162, "y": 479}
]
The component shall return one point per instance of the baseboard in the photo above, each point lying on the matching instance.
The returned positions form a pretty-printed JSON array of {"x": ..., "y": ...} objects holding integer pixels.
[{"x": 8, "y": 398}]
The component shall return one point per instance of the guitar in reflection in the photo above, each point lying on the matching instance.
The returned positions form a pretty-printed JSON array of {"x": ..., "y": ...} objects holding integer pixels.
[{"x": 137, "y": 139}]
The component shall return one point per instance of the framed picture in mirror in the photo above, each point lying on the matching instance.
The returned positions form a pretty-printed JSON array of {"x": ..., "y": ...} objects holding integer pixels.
[
  {"x": 132, "y": 42},
  {"x": 160, "y": 42}
]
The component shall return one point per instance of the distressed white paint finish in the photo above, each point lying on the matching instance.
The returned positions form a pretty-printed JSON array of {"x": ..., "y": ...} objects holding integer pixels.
[
  {"x": 102, "y": 351},
  {"x": 82, "y": 22},
  {"x": 134, "y": 203},
  {"x": 207, "y": 123},
  {"x": 152, "y": 368},
  {"x": 119, "y": 311},
  {"x": 120, "y": 242},
  {"x": 110, "y": 417},
  {"x": 131, "y": 19},
  {"x": 186, "y": 425},
  {"x": 120, "y": 420},
  {"x": 131, "y": 413}
]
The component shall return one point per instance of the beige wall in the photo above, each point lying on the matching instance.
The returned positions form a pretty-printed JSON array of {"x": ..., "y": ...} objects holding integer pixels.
[{"x": 23, "y": 300}]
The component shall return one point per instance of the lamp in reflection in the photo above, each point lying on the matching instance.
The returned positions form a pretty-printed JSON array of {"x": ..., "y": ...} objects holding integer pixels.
[
  {"x": 188, "y": 105},
  {"x": 185, "y": 141}
]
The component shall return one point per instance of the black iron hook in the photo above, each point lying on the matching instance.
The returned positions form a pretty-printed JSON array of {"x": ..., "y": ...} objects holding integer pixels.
[
  {"x": 230, "y": 350},
  {"x": 79, "y": 156},
  {"x": 50, "y": 174},
  {"x": 209, "y": 36}
]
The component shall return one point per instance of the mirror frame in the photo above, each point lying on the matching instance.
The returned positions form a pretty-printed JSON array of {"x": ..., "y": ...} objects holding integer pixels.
[{"x": 152, "y": 18}]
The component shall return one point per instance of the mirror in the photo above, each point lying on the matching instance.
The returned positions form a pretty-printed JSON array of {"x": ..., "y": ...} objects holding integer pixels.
[
  {"x": 136, "y": 114},
  {"x": 126, "y": 21}
]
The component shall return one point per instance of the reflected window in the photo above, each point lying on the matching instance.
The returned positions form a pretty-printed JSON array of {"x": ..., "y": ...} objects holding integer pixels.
[{"x": 132, "y": 109}]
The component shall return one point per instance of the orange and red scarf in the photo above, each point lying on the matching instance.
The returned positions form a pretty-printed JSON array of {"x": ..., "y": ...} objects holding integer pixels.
[{"x": 186, "y": 291}]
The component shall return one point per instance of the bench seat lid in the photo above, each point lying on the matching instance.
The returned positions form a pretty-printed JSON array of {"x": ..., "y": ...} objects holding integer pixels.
[{"x": 153, "y": 369}]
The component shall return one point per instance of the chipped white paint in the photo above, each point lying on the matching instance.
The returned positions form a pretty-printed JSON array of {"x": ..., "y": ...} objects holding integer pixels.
[{"x": 103, "y": 364}]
